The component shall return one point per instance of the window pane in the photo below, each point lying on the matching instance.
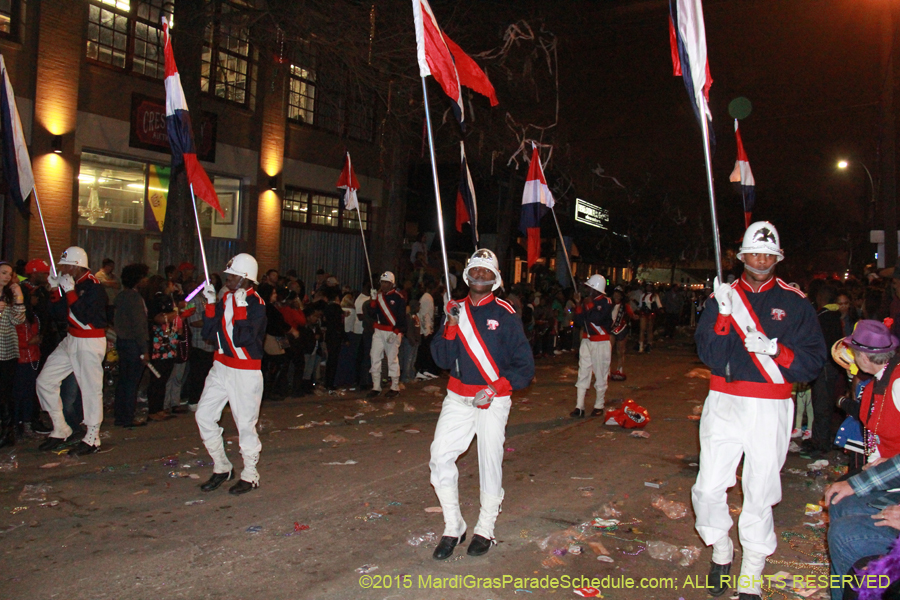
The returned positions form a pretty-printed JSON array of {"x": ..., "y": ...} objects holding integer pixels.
[{"x": 111, "y": 192}]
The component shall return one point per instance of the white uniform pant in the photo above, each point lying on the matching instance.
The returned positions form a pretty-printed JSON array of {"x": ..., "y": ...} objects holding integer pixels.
[
  {"x": 390, "y": 350},
  {"x": 241, "y": 389},
  {"x": 456, "y": 426},
  {"x": 593, "y": 357},
  {"x": 83, "y": 357},
  {"x": 758, "y": 429}
]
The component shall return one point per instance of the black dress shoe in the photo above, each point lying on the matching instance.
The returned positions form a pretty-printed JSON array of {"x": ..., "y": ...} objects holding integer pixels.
[
  {"x": 446, "y": 545},
  {"x": 53, "y": 443},
  {"x": 479, "y": 545},
  {"x": 717, "y": 580},
  {"x": 598, "y": 412},
  {"x": 391, "y": 394},
  {"x": 83, "y": 449},
  {"x": 577, "y": 413},
  {"x": 373, "y": 394},
  {"x": 242, "y": 487},
  {"x": 216, "y": 480}
]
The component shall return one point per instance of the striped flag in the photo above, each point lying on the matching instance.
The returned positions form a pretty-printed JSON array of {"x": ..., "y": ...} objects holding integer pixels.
[
  {"x": 181, "y": 136},
  {"x": 687, "y": 37},
  {"x": 349, "y": 184},
  {"x": 440, "y": 57},
  {"x": 466, "y": 207},
  {"x": 16, "y": 163},
  {"x": 536, "y": 201},
  {"x": 742, "y": 177}
]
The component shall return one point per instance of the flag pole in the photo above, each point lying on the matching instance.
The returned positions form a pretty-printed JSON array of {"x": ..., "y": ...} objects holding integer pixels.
[
  {"x": 365, "y": 250},
  {"x": 199, "y": 234},
  {"x": 437, "y": 191},
  {"x": 37, "y": 203},
  {"x": 565, "y": 251},
  {"x": 712, "y": 195}
]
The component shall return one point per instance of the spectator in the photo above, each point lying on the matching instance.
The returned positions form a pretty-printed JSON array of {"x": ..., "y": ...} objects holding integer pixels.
[
  {"x": 24, "y": 390},
  {"x": 108, "y": 279},
  {"x": 864, "y": 518},
  {"x": 272, "y": 278},
  {"x": 201, "y": 351},
  {"x": 291, "y": 309},
  {"x": 650, "y": 307},
  {"x": 674, "y": 303},
  {"x": 409, "y": 343},
  {"x": 12, "y": 314},
  {"x": 132, "y": 343},
  {"x": 274, "y": 357},
  {"x": 334, "y": 333},
  {"x": 164, "y": 324},
  {"x": 425, "y": 367},
  {"x": 419, "y": 252},
  {"x": 823, "y": 388}
]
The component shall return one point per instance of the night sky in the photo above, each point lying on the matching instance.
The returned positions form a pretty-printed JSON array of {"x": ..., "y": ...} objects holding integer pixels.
[{"x": 811, "y": 69}]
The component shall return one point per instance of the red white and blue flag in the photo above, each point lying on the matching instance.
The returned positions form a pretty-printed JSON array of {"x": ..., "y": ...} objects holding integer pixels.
[
  {"x": 181, "y": 135},
  {"x": 536, "y": 201},
  {"x": 440, "y": 57},
  {"x": 742, "y": 177},
  {"x": 16, "y": 163},
  {"x": 349, "y": 184},
  {"x": 466, "y": 207},
  {"x": 687, "y": 37}
]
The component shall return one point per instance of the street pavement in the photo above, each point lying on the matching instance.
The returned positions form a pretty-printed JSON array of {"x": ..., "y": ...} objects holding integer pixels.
[{"x": 342, "y": 508}]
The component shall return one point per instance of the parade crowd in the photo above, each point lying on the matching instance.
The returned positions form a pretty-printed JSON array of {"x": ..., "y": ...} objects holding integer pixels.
[{"x": 818, "y": 368}]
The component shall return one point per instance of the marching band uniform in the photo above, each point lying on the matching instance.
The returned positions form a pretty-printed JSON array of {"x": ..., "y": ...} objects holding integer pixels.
[
  {"x": 766, "y": 340},
  {"x": 388, "y": 309},
  {"x": 83, "y": 304},
  {"x": 237, "y": 324},
  {"x": 488, "y": 356},
  {"x": 594, "y": 317}
]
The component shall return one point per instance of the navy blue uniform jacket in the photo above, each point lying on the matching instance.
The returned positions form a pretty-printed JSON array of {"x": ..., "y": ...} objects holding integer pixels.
[
  {"x": 242, "y": 346},
  {"x": 783, "y": 313},
  {"x": 503, "y": 335}
]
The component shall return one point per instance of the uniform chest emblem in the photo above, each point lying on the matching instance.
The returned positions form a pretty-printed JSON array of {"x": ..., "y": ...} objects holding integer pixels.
[
  {"x": 492, "y": 324},
  {"x": 778, "y": 314}
]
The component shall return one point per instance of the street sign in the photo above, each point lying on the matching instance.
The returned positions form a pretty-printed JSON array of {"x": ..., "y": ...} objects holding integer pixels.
[{"x": 591, "y": 214}]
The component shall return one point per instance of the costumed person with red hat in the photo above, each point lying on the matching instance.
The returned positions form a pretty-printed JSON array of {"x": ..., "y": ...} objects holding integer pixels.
[
  {"x": 863, "y": 515},
  {"x": 594, "y": 317},
  {"x": 237, "y": 323},
  {"x": 758, "y": 336},
  {"x": 76, "y": 296},
  {"x": 483, "y": 344},
  {"x": 388, "y": 309}
]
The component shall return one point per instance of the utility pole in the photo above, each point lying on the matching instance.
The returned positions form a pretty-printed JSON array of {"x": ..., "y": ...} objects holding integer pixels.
[{"x": 889, "y": 61}]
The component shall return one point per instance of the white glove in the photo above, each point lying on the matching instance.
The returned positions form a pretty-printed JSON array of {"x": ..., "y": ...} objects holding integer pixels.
[
  {"x": 759, "y": 344},
  {"x": 373, "y": 293},
  {"x": 67, "y": 283},
  {"x": 484, "y": 398},
  {"x": 723, "y": 294},
  {"x": 209, "y": 292},
  {"x": 392, "y": 338},
  {"x": 240, "y": 297},
  {"x": 53, "y": 280}
]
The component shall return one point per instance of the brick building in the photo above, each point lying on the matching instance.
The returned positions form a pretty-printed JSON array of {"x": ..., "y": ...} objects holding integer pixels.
[{"x": 271, "y": 132}]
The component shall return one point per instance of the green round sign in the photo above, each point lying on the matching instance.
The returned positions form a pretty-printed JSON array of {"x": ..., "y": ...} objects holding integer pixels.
[{"x": 739, "y": 108}]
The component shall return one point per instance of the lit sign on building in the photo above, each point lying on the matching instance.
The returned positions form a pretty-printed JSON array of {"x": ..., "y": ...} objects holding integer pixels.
[{"x": 590, "y": 214}]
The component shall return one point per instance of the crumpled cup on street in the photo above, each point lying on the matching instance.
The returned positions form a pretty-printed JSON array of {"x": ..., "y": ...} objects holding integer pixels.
[{"x": 671, "y": 508}]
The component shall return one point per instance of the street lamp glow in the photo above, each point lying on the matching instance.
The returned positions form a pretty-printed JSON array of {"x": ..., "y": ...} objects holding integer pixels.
[{"x": 842, "y": 164}]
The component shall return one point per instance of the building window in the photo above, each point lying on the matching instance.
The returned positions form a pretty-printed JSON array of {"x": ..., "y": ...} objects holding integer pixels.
[
  {"x": 117, "y": 193},
  {"x": 127, "y": 34},
  {"x": 324, "y": 101},
  {"x": 9, "y": 17},
  {"x": 304, "y": 207},
  {"x": 302, "y": 97},
  {"x": 227, "y": 55}
]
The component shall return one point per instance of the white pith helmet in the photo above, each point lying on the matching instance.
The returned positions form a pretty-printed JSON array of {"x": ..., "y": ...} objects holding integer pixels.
[
  {"x": 388, "y": 276},
  {"x": 75, "y": 256},
  {"x": 597, "y": 282},
  {"x": 244, "y": 265},
  {"x": 485, "y": 259},
  {"x": 761, "y": 238}
]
